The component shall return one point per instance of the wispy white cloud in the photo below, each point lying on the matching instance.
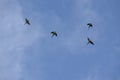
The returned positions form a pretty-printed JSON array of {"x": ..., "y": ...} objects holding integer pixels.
[{"x": 15, "y": 37}]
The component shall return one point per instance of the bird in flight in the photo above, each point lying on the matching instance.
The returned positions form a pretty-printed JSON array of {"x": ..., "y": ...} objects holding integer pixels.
[
  {"x": 27, "y": 21},
  {"x": 90, "y": 41},
  {"x": 90, "y": 25},
  {"x": 53, "y": 33}
]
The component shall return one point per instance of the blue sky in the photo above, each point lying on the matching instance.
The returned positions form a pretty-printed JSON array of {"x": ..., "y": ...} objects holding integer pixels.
[{"x": 29, "y": 52}]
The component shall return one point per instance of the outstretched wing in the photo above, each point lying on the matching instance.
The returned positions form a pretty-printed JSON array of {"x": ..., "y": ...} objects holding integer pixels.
[
  {"x": 91, "y": 42},
  {"x": 55, "y": 34}
]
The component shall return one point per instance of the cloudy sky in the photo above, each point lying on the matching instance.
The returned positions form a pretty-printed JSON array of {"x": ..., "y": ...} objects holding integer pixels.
[{"x": 30, "y": 53}]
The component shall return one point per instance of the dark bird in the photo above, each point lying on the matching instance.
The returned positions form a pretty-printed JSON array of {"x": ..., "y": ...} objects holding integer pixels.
[
  {"x": 90, "y": 25},
  {"x": 90, "y": 41},
  {"x": 27, "y": 21},
  {"x": 53, "y": 33}
]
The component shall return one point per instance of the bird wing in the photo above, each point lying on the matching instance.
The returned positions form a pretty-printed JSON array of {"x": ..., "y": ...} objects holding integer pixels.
[
  {"x": 56, "y": 34},
  {"x": 91, "y": 42},
  {"x": 28, "y": 22}
]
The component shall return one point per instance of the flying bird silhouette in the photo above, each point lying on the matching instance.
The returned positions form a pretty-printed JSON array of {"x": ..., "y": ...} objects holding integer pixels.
[
  {"x": 53, "y": 33},
  {"x": 90, "y": 25},
  {"x": 27, "y": 21},
  {"x": 90, "y": 41}
]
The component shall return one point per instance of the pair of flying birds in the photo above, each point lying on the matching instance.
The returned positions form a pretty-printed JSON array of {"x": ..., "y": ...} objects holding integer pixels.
[
  {"x": 27, "y": 22},
  {"x": 89, "y": 40},
  {"x": 53, "y": 33}
]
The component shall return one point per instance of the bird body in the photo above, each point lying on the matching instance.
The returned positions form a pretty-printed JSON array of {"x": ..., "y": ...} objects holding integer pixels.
[
  {"x": 90, "y": 41},
  {"x": 27, "y": 21},
  {"x": 53, "y": 33}
]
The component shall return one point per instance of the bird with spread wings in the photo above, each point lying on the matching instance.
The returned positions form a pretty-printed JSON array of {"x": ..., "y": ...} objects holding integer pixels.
[
  {"x": 90, "y": 25},
  {"x": 90, "y": 41},
  {"x": 53, "y": 33},
  {"x": 27, "y": 21}
]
